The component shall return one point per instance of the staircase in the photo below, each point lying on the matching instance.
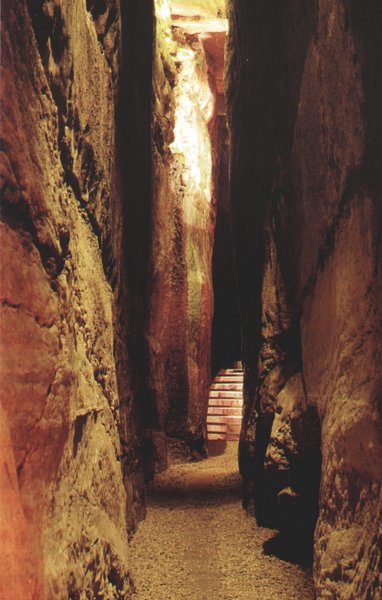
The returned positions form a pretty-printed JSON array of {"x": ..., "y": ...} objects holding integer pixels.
[{"x": 225, "y": 406}]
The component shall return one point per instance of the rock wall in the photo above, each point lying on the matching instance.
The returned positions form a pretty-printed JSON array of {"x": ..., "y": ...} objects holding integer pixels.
[
  {"x": 106, "y": 291},
  {"x": 71, "y": 295},
  {"x": 167, "y": 333},
  {"x": 304, "y": 101},
  {"x": 193, "y": 153},
  {"x": 179, "y": 328}
]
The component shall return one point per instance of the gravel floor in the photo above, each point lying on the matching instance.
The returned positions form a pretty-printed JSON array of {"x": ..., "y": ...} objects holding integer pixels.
[{"x": 197, "y": 543}]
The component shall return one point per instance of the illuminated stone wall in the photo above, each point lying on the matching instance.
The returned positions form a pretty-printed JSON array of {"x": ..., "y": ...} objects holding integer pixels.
[
  {"x": 71, "y": 430},
  {"x": 106, "y": 289},
  {"x": 183, "y": 221}
]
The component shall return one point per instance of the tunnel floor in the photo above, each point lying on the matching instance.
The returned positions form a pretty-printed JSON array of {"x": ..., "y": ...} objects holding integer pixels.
[{"x": 197, "y": 542}]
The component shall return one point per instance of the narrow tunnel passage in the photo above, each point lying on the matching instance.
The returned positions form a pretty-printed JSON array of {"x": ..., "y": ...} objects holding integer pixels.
[
  {"x": 159, "y": 224},
  {"x": 196, "y": 541}
]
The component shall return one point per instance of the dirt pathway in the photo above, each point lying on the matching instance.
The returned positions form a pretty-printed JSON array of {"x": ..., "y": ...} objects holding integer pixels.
[{"x": 197, "y": 543}]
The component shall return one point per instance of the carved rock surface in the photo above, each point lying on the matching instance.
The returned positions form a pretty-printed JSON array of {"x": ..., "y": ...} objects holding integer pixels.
[
  {"x": 304, "y": 102},
  {"x": 106, "y": 287},
  {"x": 78, "y": 488},
  {"x": 181, "y": 296}
]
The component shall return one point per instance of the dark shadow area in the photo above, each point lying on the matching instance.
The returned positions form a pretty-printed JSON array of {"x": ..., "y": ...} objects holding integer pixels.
[
  {"x": 225, "y": 335},
  {"x": 216, "y": 448},
  {"x": 296, "y": 549}
]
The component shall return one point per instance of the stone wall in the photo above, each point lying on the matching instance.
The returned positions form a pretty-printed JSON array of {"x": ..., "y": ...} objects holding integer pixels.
[
  {"x": 106, "y": 291},
  {"x": 69, "y": 392},
  {"x": 179, "y": 327},
  {"x": 167, "y": 332},
  {"x": 304, "y": 100}
]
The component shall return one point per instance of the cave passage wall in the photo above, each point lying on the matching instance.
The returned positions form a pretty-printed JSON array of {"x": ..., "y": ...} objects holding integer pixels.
[
  {"x": 304, "y": 103},
  {"x": 76, "y": 181},
  {"x": 109, "y": 191},
  {"x": 109, "y": 165},
  {"x": 186, "y": 166}
]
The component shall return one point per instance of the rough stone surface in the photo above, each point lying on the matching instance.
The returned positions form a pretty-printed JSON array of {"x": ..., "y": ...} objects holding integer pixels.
[
  {"x": 21, "y": 571},
  {"x": 67, "y": 392},
  {"x": 106, "y": 287},
  {"x": 181, "y": 300},
  {"x": 106, "y": 299},
  {"x": 306, "y": 200},
  {"x": 167, "y": 334}
]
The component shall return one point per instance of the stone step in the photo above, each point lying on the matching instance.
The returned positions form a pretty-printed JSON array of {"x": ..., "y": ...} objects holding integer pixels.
[
  {"x": 221, "y": 384},
  {"x": 215, "y": 394},
  {"x": 229, "y": 378},
  {"x": 222, "y": 404},
  {"x": 227, "y": 428},
  {"x": 217, "y": 428},
  {"x": 224, "y": 410},
  {"x": 234, "y": 419},
  {"x": 232, "y": 429},
  {"x": 236, "y": 387},
  {"x": 225, "y": 406}
]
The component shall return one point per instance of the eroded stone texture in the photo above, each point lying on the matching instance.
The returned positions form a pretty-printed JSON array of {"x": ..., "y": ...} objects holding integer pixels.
[
  {"x": 167, "y": 318},
  {"x": 181, "y": 300},
  {"x": 21, "y": 571},
  {"x": 306, "y": 201},
  {"x": 192, "y": 149},
  {"x": 67, "y": 390},
  {"x": 106, "y": 271}
]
